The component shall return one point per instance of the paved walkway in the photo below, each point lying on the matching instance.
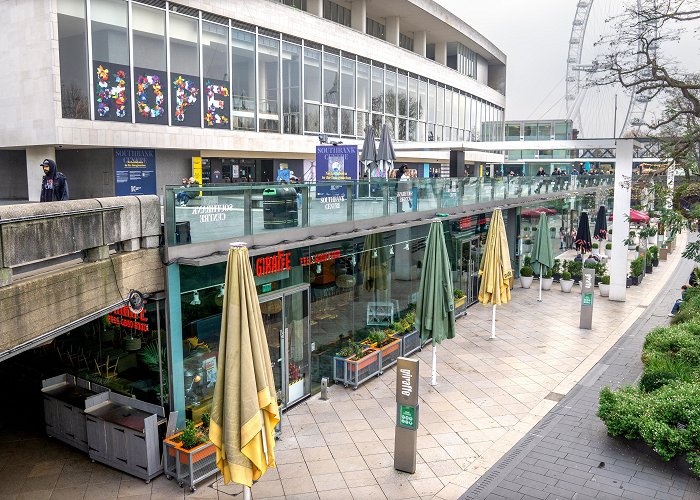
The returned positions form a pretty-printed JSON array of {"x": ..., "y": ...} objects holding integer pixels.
[
  {"x": 490, "y": 395},
  {"x": 569, "y": 453}
]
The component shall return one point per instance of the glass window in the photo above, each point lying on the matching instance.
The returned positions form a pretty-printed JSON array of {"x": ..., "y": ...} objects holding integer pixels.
[
  {"x": 530, "y": 132},
  {"x": 403, "y": 95},
  {"x": 243, "y": 79},
  {"x": 462, "y": 123},
  {"x": 561, "y": 131},
  {"x": 412, "y": 130},
  {"x": 413, "y": 98},
  {"x": 390, "y": 92},
  {"x": 73, "y": 59},
  {"x": 268, "y": 84},
  {"x": 336, "y": 13},
  {"x": 363, "y": 86},
  {"x": 297, "y": 4},
  {"x": 331, "y": 80},
  {"x": 402, "y": 129},
  {"x": 312, "y": 117},
  {"x": 377, "y": 89},
  {"x": 440, "y": 106},
  {"x": 448, "y": 107},
  {"x": 376, "y": 29},
  {"x": 347, "y": 82},
  {"x": 110, "y": 59},
  {"x": 377, "y": 124},
  {"x": 312, "y": 75},
  {"x": 432, "y": 96},
  {"x": 512, "y": 132},
  {"x": 150, "y": 80},
  {"x": 474, "y": 104},
  {"x": 455, "y": 110},
  {"x": 291, "y": 88},
  {"x": 430, "y": 132},
  {"x": 405, "y": 42},
  {"x": 330, "y": 120},
  {"x": 391, "y": 126},
  {"x": 362, "y": 121},
  {"x": 544, "y": 131},
  {"x": 422, "y": 100},
  {"x": 184, "y": 71},
  {"x": 347, "y": 122},
  {"x": 216, "y": 75},
  {"x": 420, "y": 129}
]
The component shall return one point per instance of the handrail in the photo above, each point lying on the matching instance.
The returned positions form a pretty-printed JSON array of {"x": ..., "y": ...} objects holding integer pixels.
[{"x": 60, "y": 214}]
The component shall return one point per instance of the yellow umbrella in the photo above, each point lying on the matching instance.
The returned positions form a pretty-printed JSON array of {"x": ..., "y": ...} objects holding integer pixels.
[
  {"x": 244, "y": 410},
  {"x": 495, "y": 270}
]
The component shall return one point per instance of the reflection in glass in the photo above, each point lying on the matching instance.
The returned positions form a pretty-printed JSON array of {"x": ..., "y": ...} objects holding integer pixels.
[
  {"x": 403, "y": 95},
  {"x": 413, "y": 98},
  {"x": 363, "y": 86},
  {"x": 291, "y": 88},
  {"x": 422, "y": 100},
  {"x": 312, "y": 75},
  {"x": 362, "y": 121},
  {"x": 331, "y": 78},
  {"x": 347, "y": 122},
  {"x": 390, "y": 92},
  {"x": 377, "y": 89},
  {"x": 440, "y": 106},
  {"x": 268, "y": 84},
  {"x": 347, "y": 82},
  {"x": 215, "y": 82},
  {"x": 432, "y": 96},
  {"x": 312, "y": 117},
  {"x": 330, "y": 120},
  {"x": 72, "y": 53},
  {"x": 184, "y": 71},
  {"x": 243, "y": 79},
  {"x": 448, "y": 107}
]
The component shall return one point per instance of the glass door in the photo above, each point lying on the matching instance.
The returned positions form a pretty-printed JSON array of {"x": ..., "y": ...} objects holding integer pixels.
[
  {"x": 286, "y": 321},
  {"x": 471, "y": 259}
]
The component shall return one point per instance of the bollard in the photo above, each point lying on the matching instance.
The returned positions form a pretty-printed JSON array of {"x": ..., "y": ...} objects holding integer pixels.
[{"x": 324, "y": 388}]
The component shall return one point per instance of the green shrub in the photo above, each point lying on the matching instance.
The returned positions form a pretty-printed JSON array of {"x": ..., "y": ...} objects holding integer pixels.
[
  {"x": 605, "y": 279},
  {"x": 608, "y": 246},
  {"x": 637, "y": 266},
  {"x": 651, "y": 381},
  {"x": 566, "y": 276},
  {"x": 575, "y": 267},
  {"x": 674, "y": 341},
  {"x": 556, "y": 269},
  {"x": 376, "y": 336},
  {"x": 548, "y": 274},
  {"x": 526, "y": 271},
  {"x": 621, "y": 411}
]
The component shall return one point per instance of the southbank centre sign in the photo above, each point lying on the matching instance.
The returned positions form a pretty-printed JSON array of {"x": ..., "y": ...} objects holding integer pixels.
[{"x": 333, "y": 164}]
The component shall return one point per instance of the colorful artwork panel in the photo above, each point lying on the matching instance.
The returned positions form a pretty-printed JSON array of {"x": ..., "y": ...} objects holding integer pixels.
[
  {"x": 151, "y": 96},
  {"x": 216, "y": 104},
  {"x": 112, "y": 92},
  {"x": 186, "y": 103}
]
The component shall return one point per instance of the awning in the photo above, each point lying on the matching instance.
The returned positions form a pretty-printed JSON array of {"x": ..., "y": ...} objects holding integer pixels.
[{"x": 636, "y": 216}]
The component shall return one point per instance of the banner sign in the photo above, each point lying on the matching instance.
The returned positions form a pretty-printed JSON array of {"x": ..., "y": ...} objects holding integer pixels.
[
  {"x": 134, "y": 171},
  {"x": 335, "y": 163}
]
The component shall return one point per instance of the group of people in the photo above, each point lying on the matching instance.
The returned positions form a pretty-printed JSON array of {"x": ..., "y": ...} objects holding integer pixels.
[
  {"x": 183, "y": 197},
  {"x": 693, "y": 281},
  {"x": 574, "y": 171}
]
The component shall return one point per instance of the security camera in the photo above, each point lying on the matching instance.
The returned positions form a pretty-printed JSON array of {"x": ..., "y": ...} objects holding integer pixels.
[{"x": 323, "y": 138}]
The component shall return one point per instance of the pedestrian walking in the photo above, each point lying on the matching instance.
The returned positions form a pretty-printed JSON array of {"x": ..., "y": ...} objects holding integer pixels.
[{"x": 54, "y": 186}]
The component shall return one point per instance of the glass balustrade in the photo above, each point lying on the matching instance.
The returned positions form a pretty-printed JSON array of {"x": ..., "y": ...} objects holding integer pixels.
[{"x": 216, "y": 212}]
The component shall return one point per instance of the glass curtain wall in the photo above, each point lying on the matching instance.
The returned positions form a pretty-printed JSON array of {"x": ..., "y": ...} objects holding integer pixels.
[
  {"x": 268, "y": 84},
  {"x": 331, "y": 92},
  {"x": 73, "y": 59},
  {"x": 439, "y": 113},
  {"x": 447, "y": 131},
  {"x": 150, "y": 76},
  {"x": 390, "y": 101},
  {"x": 312, "y": 90},
  {"x": 185, "y": 100},
  {"x": 347, "y": 96},
  {"x": 243, "y": 79},
  {"x": 217, "y": 95},
  {"x": 403, "y": 106},
  {"x": 110, "y": 60},
  {"x": 377, "y": 98},
  {"x": 432, "y": 97},
  {"x": 364, "y": 97},
  {"x": 291, "y": 88}
]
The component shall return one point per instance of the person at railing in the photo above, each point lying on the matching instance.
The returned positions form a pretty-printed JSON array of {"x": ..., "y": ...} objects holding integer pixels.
[
  {"x": 401, "y": 187},
  {"x": 541, "y": 172},
  {"x": 54, "y": 185}
]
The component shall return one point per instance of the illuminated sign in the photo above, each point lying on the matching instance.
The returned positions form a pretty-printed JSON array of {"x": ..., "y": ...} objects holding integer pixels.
[
  {"x": 124, "y": 317},
  {"x": 319, "y": 257},
  {"x": 273, "y": 263}
]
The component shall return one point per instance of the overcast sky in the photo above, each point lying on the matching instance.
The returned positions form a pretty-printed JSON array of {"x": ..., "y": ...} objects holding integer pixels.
[{"x": 534, "y": 35}]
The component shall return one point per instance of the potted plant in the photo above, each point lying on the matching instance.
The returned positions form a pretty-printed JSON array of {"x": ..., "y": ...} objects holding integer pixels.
[
  {"x": 631, "y": 245},
  {"x": 566, "y": 282},
  {"x": 575, "y": 267},
  {"x": 556, "y": 269},
  {"x": 547, "y": 280},
  {"x": 654, "y": 252},
  {"x": 354, "y": 363},
  {"x": 406, "y": 331},
  {"x": 595, "y": 250},
  {"x": 460, "y": 298},
  {"x": 609, "y": 235},
  {"x": 636, "y": 271},
  {"x": 527, "y": 245},
  {"x": 389, "y": 346},
  {"x": 526, "y": 273},
  {"x": 663, "y": 252},
  {"x": 648, "y": 266},
  {"x": 604, "y": 286},
  {"x": 608, "y": 249}
]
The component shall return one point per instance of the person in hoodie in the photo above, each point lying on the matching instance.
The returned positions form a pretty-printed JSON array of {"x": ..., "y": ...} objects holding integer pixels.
[{"x": 54, "y": 186}]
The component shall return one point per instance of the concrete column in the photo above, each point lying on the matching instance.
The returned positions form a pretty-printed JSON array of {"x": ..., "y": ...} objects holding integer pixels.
[
  {"x": 358, "y": 15},
  {"x": 315, "y": 7},
  {"x": 36, "y": 155},
  {"x": 441, "y": 53},
  {"x": 393, "y": 27},
  {"x": 419, "y": 42},
  {"x": 97, "y": 254},
  {"x": 621, "y": 226}
]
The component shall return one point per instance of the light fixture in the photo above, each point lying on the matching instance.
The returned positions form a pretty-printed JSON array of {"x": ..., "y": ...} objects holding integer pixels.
[
  {"x": 406, "y": 246},
  {"x": 219, "y": 299},
  {"x": 353, "y": 260},
  {"x": 195, "y": 299},
  {"x": 374, "y": 254},
  {"x": 221, "y": 291},
  {"x": 318, "y": 269},
  {"x": 391, "y": 250}
]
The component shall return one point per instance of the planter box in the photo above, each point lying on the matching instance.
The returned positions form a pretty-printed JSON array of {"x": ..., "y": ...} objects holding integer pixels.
[
  {"x": 526, "y": 281},
  {"x": 655, "y": 262},
  {"x": 632, "y": 281},
  {"x": 296, "y": 391},
  {"x": 196, "y": 464},
  {"x": 547, "y": 283},
  {"x": 663, "y": 253},
  {"x": 649, "y": 269},
  {"x": 460, "y": 302},
  {"x": 351, "y": 371},
  {"x": 604, "y": 290},
  {"x": 566, "y": 285},
  {"x": 410, "y": 343}
]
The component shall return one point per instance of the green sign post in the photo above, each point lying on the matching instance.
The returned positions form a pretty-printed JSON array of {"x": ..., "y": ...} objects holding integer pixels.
[
  {"x": 406, "y": 432},
  {"x": 587, "y": 299}
]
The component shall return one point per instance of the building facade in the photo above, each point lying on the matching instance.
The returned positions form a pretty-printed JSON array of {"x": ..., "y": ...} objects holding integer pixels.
[{"x": 245, "y": 86}]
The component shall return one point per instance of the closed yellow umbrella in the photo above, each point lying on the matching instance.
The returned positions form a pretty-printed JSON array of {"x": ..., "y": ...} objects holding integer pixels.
[
  {"x": 495, "y": 270},
  {"x": 244, "y": 410}
]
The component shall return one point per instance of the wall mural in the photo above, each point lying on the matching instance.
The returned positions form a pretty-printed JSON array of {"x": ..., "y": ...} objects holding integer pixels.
[
  {"x": 151, "y": 96},
  {"x": 186, "y": 105},
  {"x": 217, "y": 95},
  {"x": 111, "y": 99}
]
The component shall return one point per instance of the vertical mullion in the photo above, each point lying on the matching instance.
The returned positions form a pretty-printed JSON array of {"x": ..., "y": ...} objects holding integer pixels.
[
  {"x": 280, "y": 94},
  {"x": 257, "y": 78},
  {"x": 167, "y": 61},
  {"x": 229, "y": 66},
  {"x": 88, "y": 22},
  {"x": 202, "y": 95},
  {"x": 130, "y": 38},
  {"x": 302, "y": 111}
]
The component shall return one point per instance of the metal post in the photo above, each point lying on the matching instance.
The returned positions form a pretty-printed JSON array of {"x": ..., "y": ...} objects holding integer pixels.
[
  {"x": 348, "y": 196},
  {"x": 406, "y": 431},
  {"x": 247, "y": 212},
  {"x": 587, "y": 284}
]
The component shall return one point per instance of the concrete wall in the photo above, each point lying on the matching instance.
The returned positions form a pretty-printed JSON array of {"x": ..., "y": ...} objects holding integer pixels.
[
  {"x": 171, "y": 166},
  {"x": 13, "y": 175},
  {"x": 35, "y": 306},
  {"x": 90, "y": 172}
]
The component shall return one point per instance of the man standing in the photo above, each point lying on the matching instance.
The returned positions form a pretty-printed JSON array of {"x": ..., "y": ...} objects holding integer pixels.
[{"x": 54, "y": 186}]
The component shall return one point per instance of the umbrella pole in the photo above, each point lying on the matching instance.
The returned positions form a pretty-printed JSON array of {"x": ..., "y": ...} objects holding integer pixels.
[
  {"x": 493, "y": 323},
  {"x": 540, "y": 299},
  {"x": 433, "y": 380},
  {"x": 247, "y": 495}
]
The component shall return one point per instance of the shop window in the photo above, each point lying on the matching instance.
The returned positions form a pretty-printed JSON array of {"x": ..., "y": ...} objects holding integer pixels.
[
  {"x": 243, "y": 79},
  {"x": 72, "y": 53},
  {"x": 186, "y": 100}
]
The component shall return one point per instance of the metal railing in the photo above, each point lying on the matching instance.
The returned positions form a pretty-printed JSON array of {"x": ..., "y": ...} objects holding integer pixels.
[{"x": 215, "y": 212}]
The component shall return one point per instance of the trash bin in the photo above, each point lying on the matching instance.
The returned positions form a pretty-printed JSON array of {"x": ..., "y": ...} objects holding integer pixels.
[
  {"x": 280, "y": 208},
  {"x": 182, "y": 233}
]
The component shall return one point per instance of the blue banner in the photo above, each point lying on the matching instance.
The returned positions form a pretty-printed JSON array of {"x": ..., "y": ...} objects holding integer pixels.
[
  {"x": 335, "y": 163},
  {"x": 134, "y": 171}
]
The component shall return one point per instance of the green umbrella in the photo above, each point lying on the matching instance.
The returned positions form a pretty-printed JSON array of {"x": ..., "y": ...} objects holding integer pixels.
[
  {"x": 244, "y": 410},
  {"x": 435, "y": 308},
  {"x": 542, "y": 259}
]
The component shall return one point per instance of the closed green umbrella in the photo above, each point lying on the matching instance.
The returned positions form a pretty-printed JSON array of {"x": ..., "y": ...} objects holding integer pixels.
[
  {"x": 435, "y": 308},
  {"x": 542, "y": 258},
  {"x": 495, "y": 270},
  {"x": 244, "y": 410}
]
